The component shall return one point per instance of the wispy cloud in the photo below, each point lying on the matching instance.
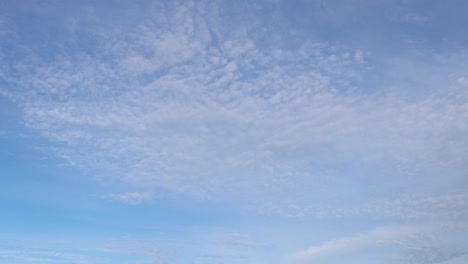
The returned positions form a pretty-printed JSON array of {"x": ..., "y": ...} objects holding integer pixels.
[
  {"x": 88, "y": 249},
  {"x": 379, "y": 237},
  {"x": 129, "y": 197},
  {"x": 431, "y": 208},
  {"x": 413, "y": 244},
  {"x": 44, "y": 256}
]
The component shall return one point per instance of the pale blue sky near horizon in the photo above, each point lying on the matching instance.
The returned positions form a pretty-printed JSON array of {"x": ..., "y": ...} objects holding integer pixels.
[{"x": 207, "y": 132}]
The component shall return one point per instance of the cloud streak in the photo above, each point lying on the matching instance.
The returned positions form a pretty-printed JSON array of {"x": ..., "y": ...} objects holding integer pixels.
[
  {"x": 411, "y": 244},
  {"x": 129, "y": 197}
]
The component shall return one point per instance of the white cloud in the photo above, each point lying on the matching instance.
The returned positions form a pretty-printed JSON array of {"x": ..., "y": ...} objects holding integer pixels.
[
  {"x": 386, "y": 236},
  {"x": 188, "y": 106},
  {"x": 458, "y": 260},
  {"x": 129, "y": 197},
  {"x": 190, "y": 101},
  {"x": 463, "y": 81},
  {"x": 42, "y": 256},
  {"x": 413, "y": 18},
  {"x": 430, "y": 208},
  {"x": 86, "y": 248},
  {"x": 410, "y": 244}
]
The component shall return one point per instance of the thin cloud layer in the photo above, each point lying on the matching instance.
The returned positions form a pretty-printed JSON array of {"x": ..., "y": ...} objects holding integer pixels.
[
  {"x": 281, "y": 111},
  {"x": 163, "y": 106}
]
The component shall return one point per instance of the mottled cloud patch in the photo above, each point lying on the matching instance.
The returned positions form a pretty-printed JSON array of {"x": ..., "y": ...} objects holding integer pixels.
[
  {"x": 129, "y": 197},
  {"x": 179, "y": 105}
]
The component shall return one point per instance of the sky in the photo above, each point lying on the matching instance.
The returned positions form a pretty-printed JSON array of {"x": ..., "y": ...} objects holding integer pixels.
[{"x": 209, "y": 132}]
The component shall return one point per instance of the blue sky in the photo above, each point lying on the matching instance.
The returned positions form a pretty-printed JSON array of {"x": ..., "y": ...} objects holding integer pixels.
[{"x": 286, "y": 132}]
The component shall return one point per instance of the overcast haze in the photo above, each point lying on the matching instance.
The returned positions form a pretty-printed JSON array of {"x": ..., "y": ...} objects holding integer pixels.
[{"x": 279, "y": 132}]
